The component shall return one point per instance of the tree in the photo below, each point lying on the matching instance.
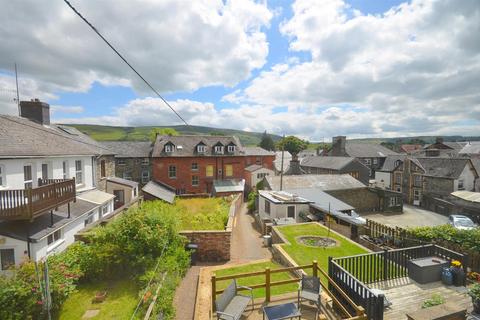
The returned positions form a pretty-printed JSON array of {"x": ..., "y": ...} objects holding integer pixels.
[
  {"x": 267, "y": 142},
  {"x": 293, "y": 145},
  {"x": 163, "y": 132}
]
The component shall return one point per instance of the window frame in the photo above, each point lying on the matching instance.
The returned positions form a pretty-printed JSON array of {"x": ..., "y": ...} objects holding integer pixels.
[
  {"x": 79, "y": 173},
  {"x": 231, "y": 148},
  {"x": 121, "y": 162},
  {"x": 3, "y": 176},
  {"x": 195, "y": 181},
  {"x": 195, "y": 166},
  {"x": 45, "y": 177},
  {"x": 145, "y": 161},
  {"x": 267, "y": 207},
  {"x": 89, "y": 218},
  {"x": 55, "y": 237},
  {"x": 212, "y": 170},
  {"x": 227, "y": 167},
  {"x": 461, "y": 184},
  {"x": 375, "y": 161},
  {"x": 294, "y": 212},
  {"x": 367, "y": 161},
  {"x": 218, "y": 149},
  {"x": 103, "y": 168},
  {"x": 172, "y": 169},
  {"x": 3, "y": 265},
  {"x": 169, "y": 148},
  {"x": 147, "y": 177},
  {"x": 201, "y": 148},
  {"x": 26, "y": 181}
]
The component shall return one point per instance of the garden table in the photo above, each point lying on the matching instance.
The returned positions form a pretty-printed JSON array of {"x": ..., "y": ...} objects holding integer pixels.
[{"x": 281, "y": 311}]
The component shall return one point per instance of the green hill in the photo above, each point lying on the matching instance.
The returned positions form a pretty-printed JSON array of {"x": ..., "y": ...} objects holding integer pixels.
[{"x": 110, "y": 133}]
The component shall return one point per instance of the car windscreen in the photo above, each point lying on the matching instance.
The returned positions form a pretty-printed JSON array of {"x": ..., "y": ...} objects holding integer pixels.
[{"x": 464, "y": 223}]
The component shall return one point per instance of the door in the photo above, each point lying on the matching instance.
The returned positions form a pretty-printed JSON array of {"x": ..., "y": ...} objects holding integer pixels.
[
  {"x": 119, "y": 198},
  {"x": 291, "y": 212}
]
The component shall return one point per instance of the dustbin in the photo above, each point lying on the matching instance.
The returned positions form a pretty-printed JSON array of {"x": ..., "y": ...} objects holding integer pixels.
[
  {"x": 193, "y": 248},
  {"x": 267, "y": 240}
]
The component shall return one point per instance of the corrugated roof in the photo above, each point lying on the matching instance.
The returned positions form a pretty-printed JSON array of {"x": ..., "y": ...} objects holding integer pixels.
[
  {"x": 159, "y": 191},
  {"x": 20, "y": 137},
  {"x": 335, "y": 163},
  {"x": 467, "y": 195},
  {"x": 323, "y": 182},
  {"x": 185, "y": 146},
  {"x": 129, "y": 149}
]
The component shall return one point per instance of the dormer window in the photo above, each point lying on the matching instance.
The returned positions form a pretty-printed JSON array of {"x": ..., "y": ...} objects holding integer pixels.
[
  {"x": 169, "y": 148},
  {"x": 218, "y": 149},
  {"x": 231, "y": 148},
  {"x": 201, "y": 148}
]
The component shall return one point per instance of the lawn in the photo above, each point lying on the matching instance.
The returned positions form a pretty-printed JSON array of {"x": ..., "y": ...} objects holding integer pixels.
[
  {"x": 303, "y": 254},
  {"x": 122, "y": 298},
  {"x": 203, "y": 213},
  {"x": 260, "y": 292}
]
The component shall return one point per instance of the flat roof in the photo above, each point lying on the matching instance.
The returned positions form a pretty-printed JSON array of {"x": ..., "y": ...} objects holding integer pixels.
[{"x": 280, "y": 197}]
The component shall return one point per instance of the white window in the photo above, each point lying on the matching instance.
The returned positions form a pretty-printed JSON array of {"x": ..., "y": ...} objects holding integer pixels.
[
  {"x": 78, "y": 172},
  {"x": 145, "y": 176},
  {"x": 201, "y": 149},
  {"x": 194, "y": 166},
  {"x": 416, "y": 195},
  {"x": 2, "y": 176},
  {"x": 460, "y": 184},
  {"x": 261, "y": 175},
  {"x": 367, "y": 161},
  {"x": 218, "y": 149},
  {"x": 7, "y": 258},
  {"x": 145, "y": 161},
  {"x": 27, "y": 176},
  {"x": 393, "y": 201},
  {"x": 44, "y": 171},
  {"x": 194, "y": 181},
  {"x": 375, "y": 161},
  {"x": 231, "y": 149},
  {"x": 54, "y": 237},
  {"x": 89, "y": 219},
  {"x": 103, "y": 211},
  {"x": 172, "y": 172},
  {"x": 169, "y": 148},
  {"x": 65, "y": 169},
  {"x": 121, "y": 162}
]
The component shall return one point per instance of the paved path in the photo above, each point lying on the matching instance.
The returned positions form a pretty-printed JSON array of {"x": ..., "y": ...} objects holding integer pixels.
[
  {"x": 246, "y": 245},
  {"x": 247, "y": 242},
  {"x": 411, "y": 217}
]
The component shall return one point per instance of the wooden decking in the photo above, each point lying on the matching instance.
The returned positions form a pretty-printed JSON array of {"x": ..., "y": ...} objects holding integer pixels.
[{"x": 407, "y": 295}]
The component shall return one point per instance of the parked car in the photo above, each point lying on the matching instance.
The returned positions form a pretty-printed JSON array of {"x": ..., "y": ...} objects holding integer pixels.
[{"x": 461, "y": 222}]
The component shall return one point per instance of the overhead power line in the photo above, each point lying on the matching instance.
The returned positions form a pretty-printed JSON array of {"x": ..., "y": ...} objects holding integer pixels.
[{"x": 125, "y": 60}]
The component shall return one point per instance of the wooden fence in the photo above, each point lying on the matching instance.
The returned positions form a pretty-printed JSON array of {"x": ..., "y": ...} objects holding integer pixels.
[
  {"x": 340, "y": 299},
  {"x": 397, "y": 237},
  {"x": 352, "y": 273}
]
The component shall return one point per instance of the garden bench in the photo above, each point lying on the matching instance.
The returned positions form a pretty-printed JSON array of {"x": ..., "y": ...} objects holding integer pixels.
[{"x": 231, "y": 305}]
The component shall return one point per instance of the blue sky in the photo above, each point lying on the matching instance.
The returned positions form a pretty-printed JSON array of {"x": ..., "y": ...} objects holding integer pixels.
[{"x": 305, "y": 67}]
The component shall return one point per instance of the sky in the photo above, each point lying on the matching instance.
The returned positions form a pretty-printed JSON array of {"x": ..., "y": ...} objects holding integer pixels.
[{"x": 316, "y": 69}]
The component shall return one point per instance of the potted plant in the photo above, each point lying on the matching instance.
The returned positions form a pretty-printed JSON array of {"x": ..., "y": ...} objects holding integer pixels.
[
  {"x": 458, "y": 273},
  {"x": 474, "y": 292}
]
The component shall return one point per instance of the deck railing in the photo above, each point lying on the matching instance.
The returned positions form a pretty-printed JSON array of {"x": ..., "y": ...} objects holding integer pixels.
[
  {"x": 353, "y": 273},
  {"x": 26, "y": 204},
  {"x": 342, "y": 302}
]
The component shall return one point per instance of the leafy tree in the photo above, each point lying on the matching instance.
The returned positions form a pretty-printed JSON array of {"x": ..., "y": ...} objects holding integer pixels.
[
  {"x": 163, "y": 132},
  {"x": 267, "y": 142},
  {"x": 293, "y": 145}
]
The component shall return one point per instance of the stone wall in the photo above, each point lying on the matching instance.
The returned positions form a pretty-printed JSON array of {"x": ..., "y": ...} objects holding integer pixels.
[
  {"x": 214, "y": 245},
  {"x": 109, "y": 161},
  {"x": 362, "y": 199}
]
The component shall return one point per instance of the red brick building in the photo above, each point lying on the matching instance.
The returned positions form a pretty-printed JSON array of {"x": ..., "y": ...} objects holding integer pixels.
[{"x": 190, "y": 164}]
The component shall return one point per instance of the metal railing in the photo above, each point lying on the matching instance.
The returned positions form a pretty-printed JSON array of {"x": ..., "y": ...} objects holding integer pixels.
[{"x": 26, "y": 204}]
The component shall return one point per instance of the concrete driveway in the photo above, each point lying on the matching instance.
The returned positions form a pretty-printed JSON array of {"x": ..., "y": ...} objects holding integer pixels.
[{"x": 411, "y": 217}]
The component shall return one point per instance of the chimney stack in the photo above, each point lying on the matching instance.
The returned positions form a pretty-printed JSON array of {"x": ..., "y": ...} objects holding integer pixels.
[
  {"x": 35, "y": 110},
  {"x": 338, "y": 146},
  {"x": 439, "y": 140}
]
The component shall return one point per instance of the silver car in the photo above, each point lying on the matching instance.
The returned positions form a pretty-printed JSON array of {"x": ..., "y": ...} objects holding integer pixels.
[{"x": 461, "y": 222}]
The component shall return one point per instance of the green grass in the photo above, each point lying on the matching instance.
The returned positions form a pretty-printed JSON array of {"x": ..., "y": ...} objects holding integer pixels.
[
  {"x": 203, "y": 213},
  {"x": 303, "y": 254},
  {"x": 122, "y": 298},
  {"x": 250, "y": 281}
]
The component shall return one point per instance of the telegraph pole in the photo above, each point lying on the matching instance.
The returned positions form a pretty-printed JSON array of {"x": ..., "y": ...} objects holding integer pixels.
[{"x": 18, "y": 95}]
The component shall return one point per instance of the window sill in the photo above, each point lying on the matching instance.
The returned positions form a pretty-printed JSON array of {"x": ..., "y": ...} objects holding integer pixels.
[{"x": 55, "y": 245}]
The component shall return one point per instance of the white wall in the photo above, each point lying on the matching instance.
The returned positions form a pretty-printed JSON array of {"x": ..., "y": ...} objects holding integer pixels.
[
  {"x": 279, "y": 210},
  {"x": 13, "y": 176},
  {"x": 468, "y": 178},
  {"x": 255, "y": 180},
  {"x": 385, "y": 176},
  {"x": 19, "y": 247}
]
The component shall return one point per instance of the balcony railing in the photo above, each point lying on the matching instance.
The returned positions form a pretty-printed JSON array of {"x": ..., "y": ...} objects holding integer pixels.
[{"x": 27, "y": 204}]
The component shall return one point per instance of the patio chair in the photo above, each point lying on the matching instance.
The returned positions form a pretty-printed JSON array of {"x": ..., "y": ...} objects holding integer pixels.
[
  {"x": 231, "y": 305},
  {"x": 309, "y": 290}
]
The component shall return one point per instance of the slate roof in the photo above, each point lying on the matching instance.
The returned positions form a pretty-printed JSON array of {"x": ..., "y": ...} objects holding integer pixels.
[
  {"x": 334, "y": 163},
  {"x": 257, "y": 151},
  {"x": 40, "y": 227},
  {"x": 188, "y": 145},
  {"x": 323, "y": 182},
  {"x": 391, "y": 162},
  {"x": 20, "y": 137},
  {"x": 367, "y": 150},
  {"x": 443, "y": 167},
  {"x": 322, "y": 200},
  {"x": 129, "y": 149},
  {"x": 159, "y": 191},
  {"x": 253, "y": 167},
  {"x": 471, "y": 148},
  {"x": 409, "y": 148}
]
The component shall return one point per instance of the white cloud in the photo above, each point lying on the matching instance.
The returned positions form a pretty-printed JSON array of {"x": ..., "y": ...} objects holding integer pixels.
[
  {"x": 176, "y": 45},
  {"x": 66, "y": 109}
]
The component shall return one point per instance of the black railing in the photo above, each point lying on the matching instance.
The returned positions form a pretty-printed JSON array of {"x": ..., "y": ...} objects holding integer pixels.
[{"x": 353, "y": 273}]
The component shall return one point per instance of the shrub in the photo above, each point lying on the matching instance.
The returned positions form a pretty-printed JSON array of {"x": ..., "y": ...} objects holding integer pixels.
[
  {"x": 435, "y": 300},
  {"x": 468, "y": 239}
]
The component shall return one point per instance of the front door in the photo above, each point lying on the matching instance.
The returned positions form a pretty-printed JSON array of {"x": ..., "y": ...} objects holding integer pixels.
[
  {"x": 119, "y": 198},
  {"x": 291, "y": 212}
]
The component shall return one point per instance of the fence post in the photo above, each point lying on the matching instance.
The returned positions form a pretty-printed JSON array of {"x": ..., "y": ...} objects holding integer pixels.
[
  {"x": 214, "y": 290},
  {"x": 267, "y": 284},
  {"x": 385, "y": 265},
  {"x": 315, "y": 268}
]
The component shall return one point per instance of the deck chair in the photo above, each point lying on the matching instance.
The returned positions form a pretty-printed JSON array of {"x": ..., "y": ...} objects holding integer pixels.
[{"x": 309, "y": 290}]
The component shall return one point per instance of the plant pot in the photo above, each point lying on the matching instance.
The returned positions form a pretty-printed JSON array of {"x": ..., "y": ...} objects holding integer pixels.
[
  {"x": 476, "y": 305},
  {"x": 459, "y": 276}
]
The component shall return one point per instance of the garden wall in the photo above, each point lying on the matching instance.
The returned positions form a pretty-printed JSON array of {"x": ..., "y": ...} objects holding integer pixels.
[{"x": 214, "y": 245}]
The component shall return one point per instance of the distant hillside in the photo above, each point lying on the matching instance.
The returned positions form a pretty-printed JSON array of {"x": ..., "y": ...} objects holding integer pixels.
[
  {"x": 427, "y": 139},
  {"x": 109, "y": 133}
]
